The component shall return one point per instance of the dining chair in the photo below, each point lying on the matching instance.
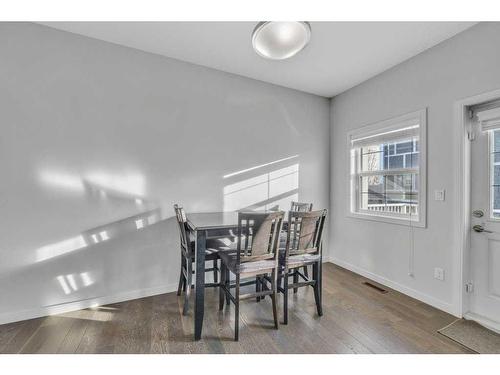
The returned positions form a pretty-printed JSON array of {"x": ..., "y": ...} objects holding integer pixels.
[
  {"x": 303, "y": 248},
  {"x": 187, "y": 247},
  {"x": 256, "y": 254},
  {"x": 300, "y": 207}
]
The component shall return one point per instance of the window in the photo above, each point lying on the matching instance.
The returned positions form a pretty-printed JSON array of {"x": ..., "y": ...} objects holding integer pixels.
[
  {"x": 488, "y": 115},
  {"x": 494, "y": 137},
  {"x": 387, "y": 170}
]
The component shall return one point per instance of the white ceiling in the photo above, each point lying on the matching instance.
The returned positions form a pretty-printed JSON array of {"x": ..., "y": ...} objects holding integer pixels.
[{"x": 340, "y": 55}]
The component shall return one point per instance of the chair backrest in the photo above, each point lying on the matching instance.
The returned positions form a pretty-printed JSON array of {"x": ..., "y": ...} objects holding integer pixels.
[
  {"x": 183, "y": 230},
  {"x": 301, "y": 207},
  {"x": 258, "y": 235},
  {"x": 305, "y": 230}
]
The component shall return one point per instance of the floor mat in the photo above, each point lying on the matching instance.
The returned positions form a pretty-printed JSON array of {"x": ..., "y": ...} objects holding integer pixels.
[{"x": 473, "y": 335}]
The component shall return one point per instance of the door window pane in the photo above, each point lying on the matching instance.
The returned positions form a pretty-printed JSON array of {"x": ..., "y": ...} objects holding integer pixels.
[
  {"x": 496, "y": 141},
  {"x": 495, "y": 174},
  {"x": 496, "y": 202}
]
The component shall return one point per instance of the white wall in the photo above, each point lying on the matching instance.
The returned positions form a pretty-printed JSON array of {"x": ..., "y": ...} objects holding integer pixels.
[
  {"x": 95, "y": 137},
  {"x": 460, "y": 67}
]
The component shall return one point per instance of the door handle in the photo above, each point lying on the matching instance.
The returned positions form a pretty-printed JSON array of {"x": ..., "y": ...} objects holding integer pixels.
[{"x": 479, "y": 229}]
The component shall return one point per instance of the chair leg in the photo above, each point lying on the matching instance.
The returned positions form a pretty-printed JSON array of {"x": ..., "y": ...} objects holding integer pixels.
[
  {"x": 222, "y": 283},
  {"x": 215, "y": 271},
  {"x": 237, "y": 309},
  {"x": 306, "y": 271},
  {"x": 228, "y": 283},
  {"x": 189, "y": 273},
  {"x": 295, "y": 279},
  {"x": 181, "y": 277},
  {"x": 258, "y": 286},
  {"x": 317, "y": 286},
  {"x": 263, "y": 286},
  {"x": 184, "y": 282},
  {"x": 285, "y": 296},
  {"x": 274, "y": 298}
]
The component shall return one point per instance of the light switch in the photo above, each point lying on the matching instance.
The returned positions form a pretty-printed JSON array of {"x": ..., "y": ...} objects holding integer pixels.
[{"x": 439, "y": 195}]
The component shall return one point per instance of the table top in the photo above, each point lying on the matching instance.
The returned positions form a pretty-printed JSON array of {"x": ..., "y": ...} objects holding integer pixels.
[
  {"x": 209, "y": 220},
  {"x": 214, "y": 220}
]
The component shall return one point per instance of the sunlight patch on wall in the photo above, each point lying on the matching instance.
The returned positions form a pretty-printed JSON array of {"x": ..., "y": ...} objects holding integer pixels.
[
  {"x": 146, "y": 221},
  {"x": 131, "y": 184},
  {"x": 64, "y": 285},
  {"x": 86, "y": 279},
  {"x": 100, "y": 237},
  {"x": 264, "y": 191},
  {"x": 104, "y": 183},
  {"x": 64, "y": 181},
  {"x": 60, "y": 248},
  {"x": 259, "y": 166},
  {"x": 139, "y": 223},
  {"x": 72, "y": 282}
]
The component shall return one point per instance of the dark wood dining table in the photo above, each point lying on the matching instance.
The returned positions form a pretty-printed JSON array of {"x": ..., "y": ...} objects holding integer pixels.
[{"x": 206, "y": 225}]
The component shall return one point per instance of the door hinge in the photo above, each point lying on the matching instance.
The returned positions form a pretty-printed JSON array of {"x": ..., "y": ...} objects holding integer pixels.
[
  {"x": 471, "y": 114},
  {"x": 469, "y": 287},
  {"x": 471, "y": 136}
]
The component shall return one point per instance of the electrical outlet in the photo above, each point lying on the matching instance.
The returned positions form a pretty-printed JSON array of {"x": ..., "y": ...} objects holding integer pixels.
[
  {"x": 439, "y": 195},
  {"x": 439, "y": 274}
]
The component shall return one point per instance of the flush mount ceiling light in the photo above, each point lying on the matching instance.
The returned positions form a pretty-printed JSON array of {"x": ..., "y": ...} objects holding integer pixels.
[{"x": 280, "y": 40}]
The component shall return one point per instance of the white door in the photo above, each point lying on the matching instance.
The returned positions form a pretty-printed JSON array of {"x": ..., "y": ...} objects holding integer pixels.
[{"x": 484, "y": 261}]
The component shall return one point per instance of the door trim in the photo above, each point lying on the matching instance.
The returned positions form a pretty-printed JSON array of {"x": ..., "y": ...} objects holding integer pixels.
[{"x": 463, "y": 182}]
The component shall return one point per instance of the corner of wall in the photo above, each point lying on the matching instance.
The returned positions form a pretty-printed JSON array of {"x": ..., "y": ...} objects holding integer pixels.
[{"x": 330, "y": 174}]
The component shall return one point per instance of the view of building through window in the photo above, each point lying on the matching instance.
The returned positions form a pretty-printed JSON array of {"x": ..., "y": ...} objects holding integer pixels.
[{"x": 389, "y": 177}]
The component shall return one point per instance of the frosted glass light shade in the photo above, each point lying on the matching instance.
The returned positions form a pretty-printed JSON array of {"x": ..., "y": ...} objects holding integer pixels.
[{"x": 280, "y": 40}]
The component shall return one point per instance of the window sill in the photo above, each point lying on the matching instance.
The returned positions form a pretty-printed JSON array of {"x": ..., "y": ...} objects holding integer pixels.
[{"x": 388, "y": 219}]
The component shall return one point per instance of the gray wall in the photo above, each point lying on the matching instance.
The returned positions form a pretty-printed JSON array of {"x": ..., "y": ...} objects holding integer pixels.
[
  {"x": 98, "y": 141},
  {"x": 463, "y": 66}
]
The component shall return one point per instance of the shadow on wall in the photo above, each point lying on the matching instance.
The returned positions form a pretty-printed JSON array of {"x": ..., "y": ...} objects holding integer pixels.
[
  {"x": 263, "y": 187},
  {"x": 124, "y": 255},
  {"x": 98, "y": 234},
  {"x": 106, "y": 260},
  {"x": 125, "y": 189}
]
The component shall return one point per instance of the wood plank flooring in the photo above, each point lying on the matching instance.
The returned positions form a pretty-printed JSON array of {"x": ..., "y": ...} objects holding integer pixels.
[{"x": 357, "y": 319}]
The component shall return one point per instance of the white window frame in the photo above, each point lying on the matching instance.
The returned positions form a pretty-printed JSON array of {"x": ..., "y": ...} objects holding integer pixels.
[{"x": 389, "y": 125}]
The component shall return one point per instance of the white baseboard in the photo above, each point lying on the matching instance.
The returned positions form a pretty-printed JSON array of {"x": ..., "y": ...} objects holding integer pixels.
[
  {"x": 16, "y": 316},
  {"x": 485, "y": 322},
  {"x": 441, "y": 305}
]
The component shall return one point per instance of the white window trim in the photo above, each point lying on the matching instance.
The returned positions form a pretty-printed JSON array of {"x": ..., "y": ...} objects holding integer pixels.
[{"x": 387, "y": 126}]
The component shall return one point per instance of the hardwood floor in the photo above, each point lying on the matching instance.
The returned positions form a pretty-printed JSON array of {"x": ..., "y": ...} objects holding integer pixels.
[{"x": 357, "y": 319}]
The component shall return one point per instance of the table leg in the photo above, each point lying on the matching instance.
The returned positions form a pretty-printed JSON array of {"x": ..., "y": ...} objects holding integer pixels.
[{"x": 199, "y": 291}]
